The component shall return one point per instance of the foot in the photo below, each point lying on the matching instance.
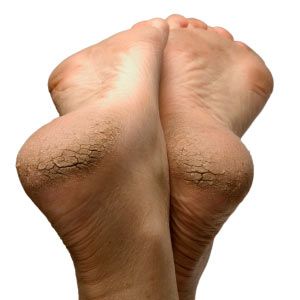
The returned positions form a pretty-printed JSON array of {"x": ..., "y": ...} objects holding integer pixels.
[
  {"x": 212, "y": 89},
  {"x": 99, "y": 172}
]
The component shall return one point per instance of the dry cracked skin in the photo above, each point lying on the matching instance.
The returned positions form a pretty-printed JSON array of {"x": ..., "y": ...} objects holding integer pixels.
[{"x": 52, "y": 159}]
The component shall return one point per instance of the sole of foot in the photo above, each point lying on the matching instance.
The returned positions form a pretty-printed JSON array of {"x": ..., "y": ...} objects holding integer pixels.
[
  {"x": 212, "y": 88},
  {"x": 99, "y": 172}
]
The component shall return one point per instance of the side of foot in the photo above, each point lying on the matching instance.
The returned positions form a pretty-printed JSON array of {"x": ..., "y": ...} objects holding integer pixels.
[
  {"x": 99, "y": 172},
  {"x": 212, "y": 89}
]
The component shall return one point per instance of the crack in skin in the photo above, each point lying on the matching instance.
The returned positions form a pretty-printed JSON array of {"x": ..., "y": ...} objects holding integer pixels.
[
  {"x": 70, "y": 159},
  {"x": 220, "y": 168},
  {"x": 200, "y": 174},
  {"x": 225, "y": 181},
  {"x": 88, "y": 156},
  {"x": 47, "y": 159}
]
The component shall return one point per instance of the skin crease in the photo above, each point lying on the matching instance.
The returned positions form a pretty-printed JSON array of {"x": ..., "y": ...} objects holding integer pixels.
[
  {"x": 205, "y": 108},
  {"x": 100, "y": 175}
]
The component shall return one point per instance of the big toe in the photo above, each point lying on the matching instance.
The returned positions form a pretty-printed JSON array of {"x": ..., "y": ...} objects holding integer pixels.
[{"x": 155, "y": 30}]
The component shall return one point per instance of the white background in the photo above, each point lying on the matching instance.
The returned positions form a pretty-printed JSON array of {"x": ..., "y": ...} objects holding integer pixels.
[{"x": 256, "y": 255}]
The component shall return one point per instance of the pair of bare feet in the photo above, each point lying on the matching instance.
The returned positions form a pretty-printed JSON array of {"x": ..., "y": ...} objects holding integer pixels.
[{"x": 145, "y": 163}]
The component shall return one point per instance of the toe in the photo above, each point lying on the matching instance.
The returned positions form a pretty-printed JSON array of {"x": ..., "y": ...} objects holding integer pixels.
[
  {"x": 177, "y": 21},
  {"x": 155, "y": 29},
  {"x": 197, "y": 23},
  {"x": 159, "y": 24},
  {"x": 223, "y": 32}
]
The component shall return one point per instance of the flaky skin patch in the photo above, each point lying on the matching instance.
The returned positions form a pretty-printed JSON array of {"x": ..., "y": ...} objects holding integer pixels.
[
  {"x": 66, "y": 147},
  {"x": 214, "y": 161}
]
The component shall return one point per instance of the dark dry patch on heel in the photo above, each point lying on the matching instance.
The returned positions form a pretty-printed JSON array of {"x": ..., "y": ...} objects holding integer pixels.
[
  {"x": 203, "y": 173},
  {"x": 56, "y": 153},
  {"x": 200, "y": 175},
  {"x": 219, "y": 166},
  {"x": 71, "y": 161}
]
